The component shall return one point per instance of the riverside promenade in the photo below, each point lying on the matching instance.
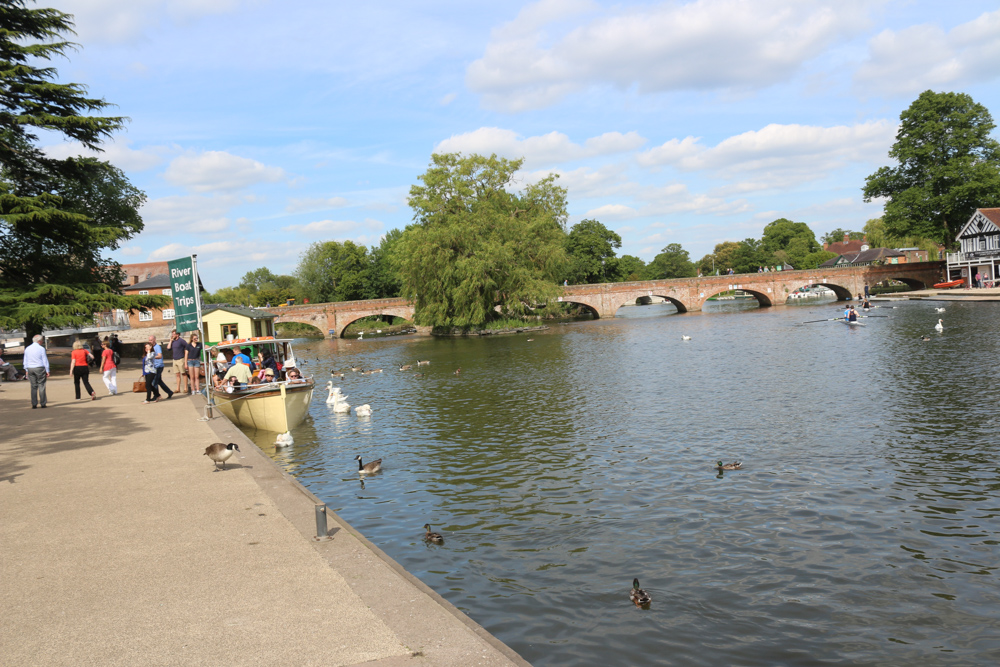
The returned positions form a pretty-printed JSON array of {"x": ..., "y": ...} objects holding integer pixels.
[{"x": 121, "y": 545}]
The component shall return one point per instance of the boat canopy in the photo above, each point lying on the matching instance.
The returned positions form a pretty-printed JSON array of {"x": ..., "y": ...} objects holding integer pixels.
[{"x": 245, "y": 342}]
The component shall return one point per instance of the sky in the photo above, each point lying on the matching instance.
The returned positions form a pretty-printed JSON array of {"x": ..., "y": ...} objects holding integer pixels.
[{"x": 260, "y": 127}]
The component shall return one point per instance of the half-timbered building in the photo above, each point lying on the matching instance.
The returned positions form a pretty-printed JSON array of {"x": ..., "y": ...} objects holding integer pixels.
[{"x": 979, "y": 248}]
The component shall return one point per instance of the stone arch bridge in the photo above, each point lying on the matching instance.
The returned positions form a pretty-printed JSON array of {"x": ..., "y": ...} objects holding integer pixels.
[{"x": 686, "y": 294}]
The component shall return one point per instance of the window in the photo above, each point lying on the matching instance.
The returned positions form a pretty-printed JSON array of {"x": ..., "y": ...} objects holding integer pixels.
[
  {"x": 168, "y": 314},
  {"x": 144, "y": 291},
  {"x": 233, "y": 329},
  {"x": 145, "y": 317},
  {"x": 982, "y": 243},
  {"x": 168, "y": 292}
]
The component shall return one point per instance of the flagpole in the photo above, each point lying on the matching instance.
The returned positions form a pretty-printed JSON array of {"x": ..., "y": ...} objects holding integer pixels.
[{"x": 201, "y": 335}]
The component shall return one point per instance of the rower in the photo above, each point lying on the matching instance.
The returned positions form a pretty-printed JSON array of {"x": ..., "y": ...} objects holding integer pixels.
[{"x": 852, "y": 315}]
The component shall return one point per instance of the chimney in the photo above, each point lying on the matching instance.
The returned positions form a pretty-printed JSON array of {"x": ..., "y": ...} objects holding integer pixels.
[{"x": 847, "y": 237}]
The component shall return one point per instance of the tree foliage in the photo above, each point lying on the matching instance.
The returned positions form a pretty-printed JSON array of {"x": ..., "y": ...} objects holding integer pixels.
[
  {"x": 630, "y": 269},
  {"x": 948, "y": 165},
  {"x": 672, "y": 262},
  {"x": 591, "y": 248},
  {"x": 383, "y": 279},
  {"x": 57, "y": 216},
  {"x": 837, "y": 236},
  {"x": 477, "y": 244},
  {"x": 334, "y": 271}
]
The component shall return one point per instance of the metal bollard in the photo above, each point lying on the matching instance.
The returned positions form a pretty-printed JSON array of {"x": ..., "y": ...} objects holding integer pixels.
[{"x": 321, "y": 522}]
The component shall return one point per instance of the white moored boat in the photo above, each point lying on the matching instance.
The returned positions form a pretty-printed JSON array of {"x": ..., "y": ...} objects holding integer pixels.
[{"x": 276, "y": 406}]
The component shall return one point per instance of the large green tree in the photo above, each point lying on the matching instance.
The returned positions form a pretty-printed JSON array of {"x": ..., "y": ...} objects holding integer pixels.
[
  {"x": 672, "y": 262},
  {"x": 948, "y": 165},
  {"x": 838, "y": 234},
  {"x": 793, "y": 243},
  {"x": 383, "y": 279},
  {"x": 334, "y": 271},
  {"x": 58, "y": 217},
  {"x": 478, "y": 244},
  {"x": 591, "y": 248}
]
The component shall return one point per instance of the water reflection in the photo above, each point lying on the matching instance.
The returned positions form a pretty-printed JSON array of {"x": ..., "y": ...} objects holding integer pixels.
[{"x": 862, "y": 528}]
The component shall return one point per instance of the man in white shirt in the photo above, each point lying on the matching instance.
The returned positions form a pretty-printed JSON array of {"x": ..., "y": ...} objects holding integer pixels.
[{"x": 36, "y": 366}]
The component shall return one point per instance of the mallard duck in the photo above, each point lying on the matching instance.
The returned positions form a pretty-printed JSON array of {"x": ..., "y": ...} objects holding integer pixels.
[
  {"x": 367, "y": 468},
  {"x": 220, "y": 452},
  {"x": 639, "y": 597},
  {"x": 284, "y": 440},
  {"x": 436, "y": 538},
  {"x": 735, "y": 465}
]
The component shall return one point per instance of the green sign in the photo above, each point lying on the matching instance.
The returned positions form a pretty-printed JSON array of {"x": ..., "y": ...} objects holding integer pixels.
[{"x": 183, "y": 284}]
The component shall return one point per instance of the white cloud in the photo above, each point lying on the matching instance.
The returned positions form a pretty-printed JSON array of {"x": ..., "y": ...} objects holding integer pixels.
[
  {"x": 131, "y": 250},
  {"x": 190, "y": 214},
  {"x": 219, "y": 171},
  {"x": 222, "y": 253},
  {"x": 115, "y": 21},
  {"x": 448, "y": 99},
  {"x": 777, "y": 155},
  {"x": 925, "y": 56},
  {"x": 702, "y": 45},
  {"x": 338, "y": 229},
  {"x": 117, "y": 152},
  {"x": 612, "y": 212},
  {"x": 319, "y": 204},
  {"x": 586, "y": 182},
  {"x": 550, "y": 148}
]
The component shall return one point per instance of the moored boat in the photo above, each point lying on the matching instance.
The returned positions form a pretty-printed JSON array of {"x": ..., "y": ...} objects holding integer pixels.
[
  {"x": 950, "y": 284},
  {"x": 271, "y": 406}
]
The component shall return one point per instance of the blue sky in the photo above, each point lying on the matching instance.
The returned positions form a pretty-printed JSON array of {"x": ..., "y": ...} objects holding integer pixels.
[{"x": 259, "y": 127}]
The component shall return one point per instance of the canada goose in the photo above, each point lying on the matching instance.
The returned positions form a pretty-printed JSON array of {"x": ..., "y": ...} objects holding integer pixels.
[
  {"x": 355, "y": 368},
  {"x": 530, "y": 340},
  {"x": 436, "y": 538},
  {"x": 639, "y": 597},
  {"x": 363, "y": 410},
  {"x": 939, "y": 310},
  {"x": 367, "y": 468},
  {"x": 377, "y": 370},
  {"x": 406, "y": 367},
  {"x": 220, "y": 452},
  {"x": 683, "y": 337},
  {"x": 425, "y": 362},
  {"x": 336, "y": 375},
  {"x": 735, "y": 465},
  {"x": 284, "y": 440},
  {"x": 925, "y": 338},
  {"x": 939, "y": 326}
]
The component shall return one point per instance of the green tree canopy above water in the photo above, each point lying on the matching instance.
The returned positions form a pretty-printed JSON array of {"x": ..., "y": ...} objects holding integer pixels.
[
  {"x": 478, "y": 244},
  {"x": 948, "y": 166},
  {"x": 672, "y": 262},
  {"x": 58, "y": 217},
  {"x": 591, "y": 248}
]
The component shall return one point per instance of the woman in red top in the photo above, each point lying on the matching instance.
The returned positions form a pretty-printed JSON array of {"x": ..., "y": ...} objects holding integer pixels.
[
  {"x": 79, "y": 366},
  {"x": 108, "y": 368}
]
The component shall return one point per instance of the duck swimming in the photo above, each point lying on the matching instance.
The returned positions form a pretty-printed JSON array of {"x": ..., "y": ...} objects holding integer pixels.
[
  {"x": 436, "y": 538},
  {"x": 639, "y": 597},
  {"x": 735, "y": 465}
]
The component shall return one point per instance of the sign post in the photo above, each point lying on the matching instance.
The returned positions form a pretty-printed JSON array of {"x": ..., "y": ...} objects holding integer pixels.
[{"x": 184, "y": 287}]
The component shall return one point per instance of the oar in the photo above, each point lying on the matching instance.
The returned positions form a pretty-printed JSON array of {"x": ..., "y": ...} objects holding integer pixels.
[
  {"x": 885, "y": 316},
  {"x": 831, "y": 319}
]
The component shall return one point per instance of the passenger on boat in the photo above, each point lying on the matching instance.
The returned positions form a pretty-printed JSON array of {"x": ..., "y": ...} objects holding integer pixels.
[
  {"x": 243, "y": 356},
  {"x": 294, "y": 376},
  {"x": 240, "y": 371}
]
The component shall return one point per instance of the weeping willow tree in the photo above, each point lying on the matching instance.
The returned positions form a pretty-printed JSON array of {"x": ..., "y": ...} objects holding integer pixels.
[
  {"x": 479, "y": 248},
  {"x": 58, "y": 217},
  {"x": 879, "y": 236}
]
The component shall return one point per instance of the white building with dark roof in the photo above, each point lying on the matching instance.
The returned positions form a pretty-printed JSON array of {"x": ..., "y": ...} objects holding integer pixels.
[{"x": 979, "y": 247}]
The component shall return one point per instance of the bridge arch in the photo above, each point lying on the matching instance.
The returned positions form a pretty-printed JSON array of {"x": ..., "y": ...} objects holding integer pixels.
[
  {"x": 647, "y": 299},
  {"x": 591, "y": 310},
  {"x": 763, "y": 299},
  {"x": 842, "y": 293}
]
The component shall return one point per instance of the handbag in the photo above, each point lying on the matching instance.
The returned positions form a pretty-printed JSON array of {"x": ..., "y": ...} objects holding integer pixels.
[{"x": 139, "y": 387}]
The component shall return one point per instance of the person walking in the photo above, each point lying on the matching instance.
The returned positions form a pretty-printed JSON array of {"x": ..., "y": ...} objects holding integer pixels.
[
  {"x": 149, "y": 372},
  {"x": 192, "y": 358},
  {"x": 36, "y": 366},
  {"x": 867, "y": 291},
  {"x": 79, "y": 366},
  {"x": 178, "y": 352},
  {"x": 158, "y": 364},
  {"x": 109, "y": 369}
]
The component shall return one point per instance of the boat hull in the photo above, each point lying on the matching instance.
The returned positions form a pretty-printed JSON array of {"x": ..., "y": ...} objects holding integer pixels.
[
  {"x": 279, "y": 410},
  {"x": 952, "y": 283}
]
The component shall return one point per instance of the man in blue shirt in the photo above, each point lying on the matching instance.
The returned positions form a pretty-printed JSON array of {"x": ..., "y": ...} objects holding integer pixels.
[
  {"x": 36, "y": 366},
  {"x": 242, "y": 357},
  {"x": 158, "y": 364}
]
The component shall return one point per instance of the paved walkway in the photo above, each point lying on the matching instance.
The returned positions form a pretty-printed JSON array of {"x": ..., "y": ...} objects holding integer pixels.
[{"x": 121, "y": 545}]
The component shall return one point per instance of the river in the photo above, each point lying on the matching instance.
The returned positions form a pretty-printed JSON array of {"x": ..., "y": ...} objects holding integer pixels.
[{"x": 862, "y": 530}]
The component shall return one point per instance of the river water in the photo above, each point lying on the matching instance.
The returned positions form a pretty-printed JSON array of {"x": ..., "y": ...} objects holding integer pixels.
[{"x": 862, "y": 530}]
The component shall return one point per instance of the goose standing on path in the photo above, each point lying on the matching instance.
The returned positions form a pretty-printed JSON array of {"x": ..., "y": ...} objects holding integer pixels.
[
  {"x": 939, "y": 326},
  {"x": 220, "y": 452},
  {"x": 368, "y": 468}
]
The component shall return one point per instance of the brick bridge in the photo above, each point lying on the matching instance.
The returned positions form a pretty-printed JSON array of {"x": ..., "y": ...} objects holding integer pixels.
[{"x": 686, "y": 294}]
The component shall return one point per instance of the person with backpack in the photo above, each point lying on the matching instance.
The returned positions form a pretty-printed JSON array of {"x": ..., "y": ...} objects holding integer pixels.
[{"x": 109, "y": 367}]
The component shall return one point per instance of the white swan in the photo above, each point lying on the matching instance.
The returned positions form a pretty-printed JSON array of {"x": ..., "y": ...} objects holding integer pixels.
[
  {"x": 939, "y": 310},
  {"x": 284, "y": 440},
  {"x": 340, "y": 405},
  {"x": 334, "y": 392},
  {"x": 683, "y": 337},
  {"x": 363, "y": 410},
  {"x": 940, "y": 325}
]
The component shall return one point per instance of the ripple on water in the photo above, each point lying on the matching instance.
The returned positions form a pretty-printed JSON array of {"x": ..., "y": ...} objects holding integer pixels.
[{"x": 863, "y": 529}]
